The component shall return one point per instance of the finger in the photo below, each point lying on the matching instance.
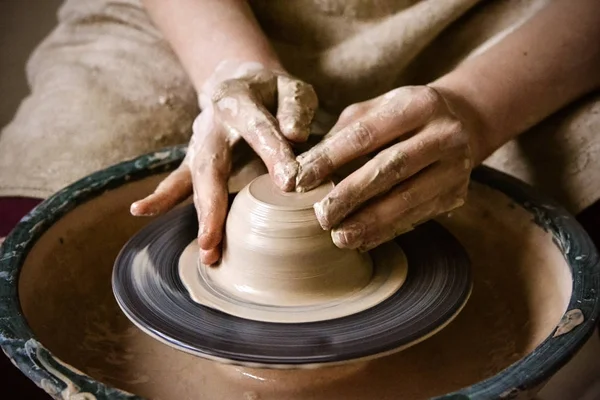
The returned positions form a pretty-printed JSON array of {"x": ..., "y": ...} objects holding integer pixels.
[
  {"x": 412, "y": 218},
  {"x": 426, "y": 195},
  {"x": 171, "y": 191},
  {"x": 210, "y": 173},
  {"x": 388, "y": 119},
  {"x": 297, "y": 102},
  {"x": 210, "y": 257},
  {"x": 318, "y": 133},
  {"x": 259, "y": 128},
  {"x": 350, "y": 114},
  {"x": 386, "y": 170}
]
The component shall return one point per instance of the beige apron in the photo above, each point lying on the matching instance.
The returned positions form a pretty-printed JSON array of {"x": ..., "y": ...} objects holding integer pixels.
[{"x": 106, "y": 87}]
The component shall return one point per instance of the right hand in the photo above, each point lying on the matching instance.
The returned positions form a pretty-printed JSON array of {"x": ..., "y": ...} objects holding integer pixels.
[{"x": 235, "y": 104}]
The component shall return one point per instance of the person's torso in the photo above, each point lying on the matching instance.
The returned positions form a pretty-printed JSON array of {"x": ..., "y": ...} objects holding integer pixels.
[{"x": 352, "y": 50}]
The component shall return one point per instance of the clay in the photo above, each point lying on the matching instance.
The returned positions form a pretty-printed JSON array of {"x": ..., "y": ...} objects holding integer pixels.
[
  {"x": 232, "y": 95},
  {"x": 521, "y": 289},
  {"x": 276, "y": 254},
  {"x": 307, "y": 302},
  {"x": 421, "y": 168},
  {"x": 235, "y": 104}
]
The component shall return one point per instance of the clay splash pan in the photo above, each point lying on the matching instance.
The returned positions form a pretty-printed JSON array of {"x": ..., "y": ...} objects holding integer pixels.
[{"x": 40, "y": 280}]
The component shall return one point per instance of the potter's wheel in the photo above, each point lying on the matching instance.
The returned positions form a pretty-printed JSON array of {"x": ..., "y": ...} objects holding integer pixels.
[
  {"x": 392, "y": 311},
  {"x": 532, "y": 265}
]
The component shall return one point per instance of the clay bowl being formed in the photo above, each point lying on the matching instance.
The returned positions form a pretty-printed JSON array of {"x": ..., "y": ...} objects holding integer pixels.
[
  {"x": 534, "y": 304},
  {"x": 276, "y": 252},
  {"x": 279, "y": 265}
]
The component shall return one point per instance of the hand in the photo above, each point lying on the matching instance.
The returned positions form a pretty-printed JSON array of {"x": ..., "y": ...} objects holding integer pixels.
[
  {"x": 422, "y": 168},
  {"x": 235, "y": 104}
]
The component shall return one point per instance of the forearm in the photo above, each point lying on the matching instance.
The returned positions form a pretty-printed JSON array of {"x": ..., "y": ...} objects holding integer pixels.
[
  {"x": 204, "y": 33},
  {"x": 536, "y": 70}
]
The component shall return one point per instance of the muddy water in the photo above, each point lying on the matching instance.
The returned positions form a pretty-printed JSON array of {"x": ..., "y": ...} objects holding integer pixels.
[{"x": 521, "y": 289}]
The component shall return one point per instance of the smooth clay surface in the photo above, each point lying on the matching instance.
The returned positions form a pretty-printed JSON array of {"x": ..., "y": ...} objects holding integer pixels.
[
  {"x": 521, "y": 289},
  {"x": 276, "y": 253},
  {"x": 279, "y": 265}
]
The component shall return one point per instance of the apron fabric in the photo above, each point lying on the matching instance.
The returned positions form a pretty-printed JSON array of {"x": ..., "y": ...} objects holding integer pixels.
[{"x": 106, "y": 87}]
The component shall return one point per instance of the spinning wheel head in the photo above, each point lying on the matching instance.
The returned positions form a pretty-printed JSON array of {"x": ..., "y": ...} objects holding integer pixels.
[{"x": 284, "y": 295}]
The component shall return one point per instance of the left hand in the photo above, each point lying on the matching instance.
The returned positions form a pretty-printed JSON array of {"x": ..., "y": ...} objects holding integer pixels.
[
  {"x": 247, "y": 105},
  {"x": 422, "y": 168}
]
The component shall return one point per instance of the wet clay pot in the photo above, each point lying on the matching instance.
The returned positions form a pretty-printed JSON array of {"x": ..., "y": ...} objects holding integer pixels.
[
  {"x": 277, "y": 252},
  {"x": 534, "y": 304}
]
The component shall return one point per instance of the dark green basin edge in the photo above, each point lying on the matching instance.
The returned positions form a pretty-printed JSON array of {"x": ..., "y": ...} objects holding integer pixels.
[{"x": 62, "y": 381}]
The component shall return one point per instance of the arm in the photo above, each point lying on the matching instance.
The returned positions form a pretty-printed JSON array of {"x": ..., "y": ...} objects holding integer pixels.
[
  {"x": 533, "y": 72},
  {"x": 244, "y": 93},
  {"x": 429, "y": 137},
  {"x": 204, "y": 33}
]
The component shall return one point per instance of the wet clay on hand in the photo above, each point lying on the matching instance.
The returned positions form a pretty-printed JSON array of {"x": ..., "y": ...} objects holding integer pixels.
[
  {"x": 237, "y": 102},
  {"x": 421, "y": 170}
]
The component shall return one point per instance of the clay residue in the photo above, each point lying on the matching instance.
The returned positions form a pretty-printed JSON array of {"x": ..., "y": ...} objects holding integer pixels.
[{"x": 569, "y": 321}]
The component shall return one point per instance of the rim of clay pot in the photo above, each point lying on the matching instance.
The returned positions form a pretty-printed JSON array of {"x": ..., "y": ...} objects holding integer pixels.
[{"x": 58, "y": 379}]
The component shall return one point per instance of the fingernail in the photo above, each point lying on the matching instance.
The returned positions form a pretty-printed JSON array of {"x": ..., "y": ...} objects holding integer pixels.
[
  {"x": 321, "y": 213},
  {"x": 293, "y": 130},
  {"x": 284, "y": 175},
  {"x": 134, "y": 209},
  {"x": 288, "y": 124},
  {"x": 204, "y": 240},
  {"x": 306, "y": 179},
  {"x": 331, "y": 211},
  {"x": 467, "y": 163},
  {"x": 210, "y": 258},
  {"x": 349, "y": 236},
  {"x": 457, "y": 203}
]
